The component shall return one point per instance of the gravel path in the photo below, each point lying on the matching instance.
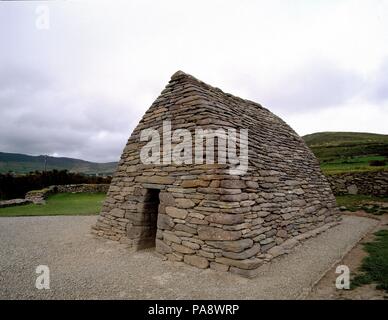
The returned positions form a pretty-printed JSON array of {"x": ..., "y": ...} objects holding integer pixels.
[{"x": 83, "y": 267}]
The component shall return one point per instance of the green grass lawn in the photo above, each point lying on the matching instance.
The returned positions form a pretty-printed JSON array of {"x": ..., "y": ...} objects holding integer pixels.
[
  {"x": 60, "y": 204},
  {"x": 374, "y": 267},
  {"x": 362, "y": 202},
  {"x": 340, "y": 152},
  {"x": 352, "y": 164}
]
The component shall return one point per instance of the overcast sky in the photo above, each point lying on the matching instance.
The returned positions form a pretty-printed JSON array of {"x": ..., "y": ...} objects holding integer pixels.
[{"x": 78, "y": 88}]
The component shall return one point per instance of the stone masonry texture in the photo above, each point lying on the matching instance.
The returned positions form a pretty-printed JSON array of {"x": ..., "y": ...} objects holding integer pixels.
[
  {"x": 369, "y": 182},
  {"x": 200, "y": 214}
]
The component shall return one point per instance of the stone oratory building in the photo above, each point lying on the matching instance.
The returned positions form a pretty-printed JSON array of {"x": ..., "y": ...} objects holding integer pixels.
[{"x": 200, "y": 213}]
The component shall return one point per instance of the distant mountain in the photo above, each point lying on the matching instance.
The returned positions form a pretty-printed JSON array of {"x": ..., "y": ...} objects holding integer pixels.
[
  {"x": 22, "y": 163},
  {"x": 336, "y": 151},
  {"x": 337, "y": 138}
]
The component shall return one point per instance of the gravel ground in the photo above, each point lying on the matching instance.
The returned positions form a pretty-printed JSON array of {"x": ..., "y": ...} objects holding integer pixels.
[{"x": 83, "y": 267}]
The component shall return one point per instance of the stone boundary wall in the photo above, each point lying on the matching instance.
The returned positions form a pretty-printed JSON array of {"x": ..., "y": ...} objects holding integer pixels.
[
  {"x": 39, "y": 196},
  {"x": 82, "y": 188},
  {"x": 14, "y": 202},
  {"x": 370, "y": 183}
]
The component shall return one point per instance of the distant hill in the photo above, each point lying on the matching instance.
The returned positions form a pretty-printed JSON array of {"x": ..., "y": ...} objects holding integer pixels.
[
  {"x": 22, "y": 163},
  {"x": 349, "y": 151},
  {"x": 336, "y": 151}
]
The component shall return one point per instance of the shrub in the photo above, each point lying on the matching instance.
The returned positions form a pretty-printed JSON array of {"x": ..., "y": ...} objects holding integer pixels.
[
  {"x": 377, "y": 163},
  {"x": 16, "y": 186}
]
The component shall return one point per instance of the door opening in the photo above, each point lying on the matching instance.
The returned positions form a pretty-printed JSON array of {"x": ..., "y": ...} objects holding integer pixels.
[{"x": 151, "y": 209}]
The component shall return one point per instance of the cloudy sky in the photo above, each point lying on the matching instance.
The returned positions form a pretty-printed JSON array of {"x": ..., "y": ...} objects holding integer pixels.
[{"x": 78, "y": 88}]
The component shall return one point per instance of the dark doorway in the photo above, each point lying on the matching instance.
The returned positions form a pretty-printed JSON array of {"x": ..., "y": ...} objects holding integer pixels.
[{"x": 151, "y": 208}]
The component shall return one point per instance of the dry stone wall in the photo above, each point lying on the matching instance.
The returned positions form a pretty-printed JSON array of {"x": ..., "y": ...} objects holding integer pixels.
[
  {"x": 81, "y": 188},
  {"x": 14, "y": 202},
  {"x": 369, "y": 183},
  {"x": 207, "y": 217}
]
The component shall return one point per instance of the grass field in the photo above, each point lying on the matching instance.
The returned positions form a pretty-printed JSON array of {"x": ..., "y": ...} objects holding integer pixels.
[
  {"x": 59, "y": 204},
  {"x": 358, "y": 163},
  {"x": 370, "y": 204},
  {"x": 374, "y": 267},
  {"x": 340, "y": 152}
]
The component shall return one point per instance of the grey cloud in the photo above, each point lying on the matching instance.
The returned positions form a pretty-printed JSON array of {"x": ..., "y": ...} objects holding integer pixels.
[
  {"x": 40, "y": 118},
  {"x": 123, "y": 63},
  {"x": 378, "y": 86},
  {"x": 27, "y": 78},
  {"x": 314, "y": 86}
]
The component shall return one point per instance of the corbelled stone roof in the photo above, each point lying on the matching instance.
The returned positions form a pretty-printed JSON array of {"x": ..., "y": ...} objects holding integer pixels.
[
  {"x": 200, "y": 214},
  {"x": 273, "y": 145}
]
